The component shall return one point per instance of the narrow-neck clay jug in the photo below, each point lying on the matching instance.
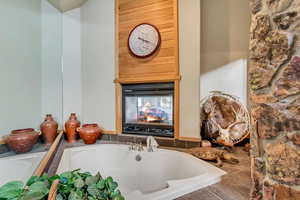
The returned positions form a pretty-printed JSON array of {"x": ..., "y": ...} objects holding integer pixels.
[
  {"x": 49, "y": 129},
  {"x": 70, "y": 127}
]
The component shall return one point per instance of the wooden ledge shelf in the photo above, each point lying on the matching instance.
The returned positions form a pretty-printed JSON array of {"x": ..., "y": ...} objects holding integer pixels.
[
  {"x": 158, "y": 79},
  {"x": 45, "y": 161}
]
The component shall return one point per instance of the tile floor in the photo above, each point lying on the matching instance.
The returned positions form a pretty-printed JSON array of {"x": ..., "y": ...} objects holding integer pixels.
[{"x": 234, "y": 186}]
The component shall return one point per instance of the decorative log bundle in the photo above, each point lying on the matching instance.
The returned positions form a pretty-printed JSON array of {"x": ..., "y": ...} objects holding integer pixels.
[{"x": 274, "y": 82}]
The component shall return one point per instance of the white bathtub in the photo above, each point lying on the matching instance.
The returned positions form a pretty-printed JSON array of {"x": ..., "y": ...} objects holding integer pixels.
[
  {"x": 160, "y": 175},
  {"x": 19, "y": 167}
]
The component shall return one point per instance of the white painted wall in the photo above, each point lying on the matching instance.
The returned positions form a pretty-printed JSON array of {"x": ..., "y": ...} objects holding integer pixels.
[
  {"x": 20, "y": 53},
  {"x": 189, "y": 49},
  {"x": 72, "y": 84},
  {"x": 98, "y": 62},
  {"x": 224, "y": 47},
  {"x": 30, "y": 60},
  {"x": 230, "y": 78},
  {"x": 51, "y": 65}
]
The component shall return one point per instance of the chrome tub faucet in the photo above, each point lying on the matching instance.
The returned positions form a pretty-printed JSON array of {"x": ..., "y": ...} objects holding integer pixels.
[{"x": 151, "y": 144}]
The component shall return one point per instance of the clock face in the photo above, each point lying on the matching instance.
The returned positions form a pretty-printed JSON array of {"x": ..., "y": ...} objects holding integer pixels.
[{"x": 144, "y": 40}]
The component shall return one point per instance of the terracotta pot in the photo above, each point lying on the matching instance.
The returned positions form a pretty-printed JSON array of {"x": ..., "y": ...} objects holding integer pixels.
[
  {"x": 25, "y": 130},
  {"x": 22, "y": 142},
  {"x": 70, "y": 126},
  {"x": 49, "y": 129},
  {"x": 89, "y": 133}
]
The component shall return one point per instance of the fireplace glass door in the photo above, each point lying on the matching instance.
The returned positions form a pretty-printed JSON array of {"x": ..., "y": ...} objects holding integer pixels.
[
  {"x": 148, "y": 109},
  {"x": 155, "y": 110}
]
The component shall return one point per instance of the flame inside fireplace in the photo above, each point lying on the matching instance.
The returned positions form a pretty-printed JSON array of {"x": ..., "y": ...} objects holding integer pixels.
[
  {"x": 151, "y": 114},
  {"x": 153, "y": 119}
]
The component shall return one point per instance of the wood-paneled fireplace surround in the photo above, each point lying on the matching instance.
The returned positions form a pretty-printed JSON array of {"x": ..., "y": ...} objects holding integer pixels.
[{"x": 162, "y": 66}]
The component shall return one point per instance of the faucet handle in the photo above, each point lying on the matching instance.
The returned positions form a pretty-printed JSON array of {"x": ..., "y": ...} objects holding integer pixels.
[
  {"x": 140, "y": 147},
  {"x": 131, "y": 146}
]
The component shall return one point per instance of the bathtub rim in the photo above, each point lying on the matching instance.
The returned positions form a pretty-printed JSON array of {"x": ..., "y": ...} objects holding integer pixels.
[{"x": 176, "y": 188}]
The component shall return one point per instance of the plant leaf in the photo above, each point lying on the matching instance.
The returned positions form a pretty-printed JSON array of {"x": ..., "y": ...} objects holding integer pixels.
[
  {"x": 59, "y": 197},
  {"x": 115, "y": 193},
  {"x": 67, "y": 175},
  {"x": 119, "y": 197},
  {"x": 93, "y": 190},
  {"x": 79, "y": 183},
  {"x": 32, "y": 180},
  {"x": 113, "y": 185},
  {"x": 74, "y": 196},
  {"x": 101, "y": 184},
  {"x": 33, "y": 195},
  {"x": 92, "y": 180},
  {"x": 11, "y": 190},
  {"x": 39, "y": 187}
]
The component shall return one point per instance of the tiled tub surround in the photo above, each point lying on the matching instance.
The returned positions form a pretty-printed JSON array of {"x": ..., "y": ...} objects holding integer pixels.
[
  {"x": 166, "y": 142},
  {"x": 159, "y": 175},
  {"x": 19, "y": 167}
]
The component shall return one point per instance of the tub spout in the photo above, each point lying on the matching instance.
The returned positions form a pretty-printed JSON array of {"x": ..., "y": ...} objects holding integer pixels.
[{"x": 151, "y": 144}]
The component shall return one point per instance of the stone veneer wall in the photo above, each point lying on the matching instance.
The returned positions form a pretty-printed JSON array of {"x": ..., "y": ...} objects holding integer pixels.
[{"x": 274, "y": 81}]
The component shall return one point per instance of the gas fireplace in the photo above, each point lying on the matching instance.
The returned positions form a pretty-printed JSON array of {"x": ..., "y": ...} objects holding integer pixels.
[{"x": 148, "y": 109}]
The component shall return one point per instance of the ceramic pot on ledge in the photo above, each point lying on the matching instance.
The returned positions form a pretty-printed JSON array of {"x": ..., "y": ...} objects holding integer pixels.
[
  {"x": 71, "y": 128},
  {"x": 22, "y": 141},
  {"x": 49, "y": 129},
  {"x": 25, "y": 130},
  {"x": 89, "y": 133}
]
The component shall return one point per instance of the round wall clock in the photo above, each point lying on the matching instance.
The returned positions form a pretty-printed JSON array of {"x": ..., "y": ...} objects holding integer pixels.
[{"x": 144, "y": 40}]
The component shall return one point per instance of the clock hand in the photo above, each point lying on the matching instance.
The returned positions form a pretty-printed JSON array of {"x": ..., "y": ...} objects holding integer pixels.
[{"x": 144, "y": 40}]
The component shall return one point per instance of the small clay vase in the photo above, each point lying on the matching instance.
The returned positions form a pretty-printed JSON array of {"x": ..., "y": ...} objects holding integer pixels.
[
  {"x": 70, "y": 127},
  {"x": 22, "y": 142},
  {"x": 89, "y": 133},
  {"x": 49, "y": 129}
]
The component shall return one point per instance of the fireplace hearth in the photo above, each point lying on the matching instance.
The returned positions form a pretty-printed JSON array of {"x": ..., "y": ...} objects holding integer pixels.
[{"x": 147, "y": 109}]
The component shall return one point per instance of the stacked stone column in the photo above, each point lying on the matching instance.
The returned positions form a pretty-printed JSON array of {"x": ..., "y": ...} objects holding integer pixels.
[{"x": 274, "y": 84}]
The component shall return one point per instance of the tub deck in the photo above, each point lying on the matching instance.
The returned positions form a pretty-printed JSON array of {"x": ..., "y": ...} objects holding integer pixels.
[{"x": 19, "y": 167}]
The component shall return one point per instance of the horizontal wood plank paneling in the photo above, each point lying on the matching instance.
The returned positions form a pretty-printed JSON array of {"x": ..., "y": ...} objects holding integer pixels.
[{"x": 162, "y": 14}]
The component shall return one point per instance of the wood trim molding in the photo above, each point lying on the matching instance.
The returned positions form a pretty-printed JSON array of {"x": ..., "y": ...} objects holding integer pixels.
[
  {"x": 43, "y": 164},
  {"x": 176, "y": 109},
  {"x": 118, "y": 108},
  {"x": 147, "y": 79},
  {"x": 109, "y": 132}
]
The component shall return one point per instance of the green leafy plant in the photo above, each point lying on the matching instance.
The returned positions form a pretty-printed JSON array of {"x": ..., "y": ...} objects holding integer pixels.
[
  {"x": 36, "y": 188},
  {"x": 75, "y": 185}
]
